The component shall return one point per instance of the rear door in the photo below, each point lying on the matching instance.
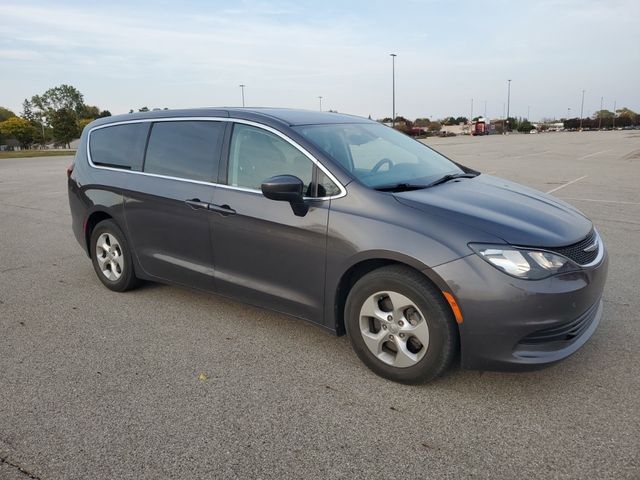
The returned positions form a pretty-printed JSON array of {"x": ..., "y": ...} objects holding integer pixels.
[
  {"x": 166, "y": 209},
  {"x": 264, "y": 253}
]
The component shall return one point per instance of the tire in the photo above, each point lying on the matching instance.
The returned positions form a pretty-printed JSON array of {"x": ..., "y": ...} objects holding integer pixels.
[
  {"x": 379, "y": 320},
  {"x": 113, "y": 265}
]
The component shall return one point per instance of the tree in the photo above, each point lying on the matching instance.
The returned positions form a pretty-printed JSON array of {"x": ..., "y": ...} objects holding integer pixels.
[
  {"x": 65, "y": 125},
  {"x": 422, "y": 122},
  {"x": 144, "y": 109},
  {"x": 104, "y": 113},
  {"x": 89, "y": 111},
  {"x": 83, "y": 123},
  {"x": 524, "y": 126},
  {"x": 56, "y": 98},
  {"x": 434, "y": 127},
  {"x": 20, "y": 129},
  {"x": 603, "y": 114},
  {"x": 5, "y": 114}
]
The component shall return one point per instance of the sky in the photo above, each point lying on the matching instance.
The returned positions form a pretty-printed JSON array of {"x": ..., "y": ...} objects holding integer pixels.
[{"x": 126, "y": 55}]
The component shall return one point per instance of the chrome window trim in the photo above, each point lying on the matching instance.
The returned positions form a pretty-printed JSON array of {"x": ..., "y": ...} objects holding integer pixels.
[{"x": 343, "y": 191}]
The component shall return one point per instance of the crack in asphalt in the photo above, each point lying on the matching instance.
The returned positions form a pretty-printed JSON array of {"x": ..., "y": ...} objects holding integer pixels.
[{"x": 8, "y": 462}]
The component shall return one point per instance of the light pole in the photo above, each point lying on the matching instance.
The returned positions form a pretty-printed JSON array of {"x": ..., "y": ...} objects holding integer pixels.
[
  {"x": 600, "y": 114},
  {"x": 508, "y": 101},
  {"x": 581, "y": 110},
  {"x": 614, "y": 114},
  {"x": 393, "y": 87},
  {"x": 242, "y": 85},
  {"x": 44, "y": 140},
  {"x": 568, "y": 113},
  {"x": 471, "y": 117},
  {"x": 527, "y": 113},
  {"x": 320, "y": 98},
  {"x": 485, "y": 109}
]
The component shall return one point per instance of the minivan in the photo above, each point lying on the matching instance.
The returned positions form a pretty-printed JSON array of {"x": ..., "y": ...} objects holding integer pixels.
[{"x": 343, "y": 222}]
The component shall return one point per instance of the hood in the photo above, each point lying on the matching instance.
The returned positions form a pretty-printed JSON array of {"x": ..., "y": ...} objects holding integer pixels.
[{"x": 517, "y": 214}]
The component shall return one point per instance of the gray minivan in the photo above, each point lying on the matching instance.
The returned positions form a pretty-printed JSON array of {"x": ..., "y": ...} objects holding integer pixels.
[{"x": 343, "y": 222}]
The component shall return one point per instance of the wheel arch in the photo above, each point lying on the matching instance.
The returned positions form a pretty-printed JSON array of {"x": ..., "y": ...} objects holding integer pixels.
[
  {"x": 362, "y": 266},
  {"x": 93, "y": 219}
]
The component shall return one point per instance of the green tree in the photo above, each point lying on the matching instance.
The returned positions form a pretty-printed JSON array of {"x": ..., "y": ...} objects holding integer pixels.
[
  {"x": 144, "y": 109},
  {"x": 56, "y": 98},
  {"x": 20, "y": 129},
  {"x": 89, "y": 111},
  {"x": 104, "y": 113},
  {"x": 5, "y": 114},
  {"x": 65, "y": 125},
  {"x": 524, "y": 126},
  {"x": 604, "y": 114},
  {"x": 422, "y": 122}
]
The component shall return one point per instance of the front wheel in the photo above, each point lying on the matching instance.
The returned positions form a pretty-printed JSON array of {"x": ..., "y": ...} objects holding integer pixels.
[{"x": 400, "y": 325}]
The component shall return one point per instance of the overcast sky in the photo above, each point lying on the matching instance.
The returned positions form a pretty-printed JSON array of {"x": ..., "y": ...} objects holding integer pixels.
[{"x": 124, "y": 55}]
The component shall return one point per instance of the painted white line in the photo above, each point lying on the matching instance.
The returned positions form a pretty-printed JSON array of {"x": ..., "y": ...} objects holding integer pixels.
[
  {"x": 592, "y": 154},
  {"x": 531, "y": 154},
  {"x": 618, "y": 202},
  {"x": 568, "y": 183}
]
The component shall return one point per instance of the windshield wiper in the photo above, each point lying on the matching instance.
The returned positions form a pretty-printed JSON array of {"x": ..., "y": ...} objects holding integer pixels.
[
  {"x": 451, "y": 176},
  {"x": 399, "y": 187}
]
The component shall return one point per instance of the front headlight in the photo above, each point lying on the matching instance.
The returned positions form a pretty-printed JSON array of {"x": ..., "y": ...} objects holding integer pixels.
[{"x": 523, "y": 263}]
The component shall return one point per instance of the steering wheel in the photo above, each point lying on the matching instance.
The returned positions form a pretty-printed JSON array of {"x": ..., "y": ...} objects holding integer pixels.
[{"x": 378, "y": 165}]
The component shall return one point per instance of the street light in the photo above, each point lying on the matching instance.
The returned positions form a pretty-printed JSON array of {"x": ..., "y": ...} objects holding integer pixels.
[
  {"x": 581, "y": 110},
  {"x": 568, "y": 113},
  {"x": 393, "y": 87},
  {"x": 44, "y": 140},
  {"x": 600, "y": 114},
  {"x": 320, "y": 98},
  {"x": 242, "y": 85},
  {"x": 614, "y": 114},
  {"x": 508, "y": 101}
]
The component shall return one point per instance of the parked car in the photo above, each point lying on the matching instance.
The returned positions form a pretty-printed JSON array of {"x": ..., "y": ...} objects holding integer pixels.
[{"x": 343, "y": 222}]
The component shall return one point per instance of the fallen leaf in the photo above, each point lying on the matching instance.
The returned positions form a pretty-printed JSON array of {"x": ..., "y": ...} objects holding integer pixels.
[{"x": 202, "y": 377}]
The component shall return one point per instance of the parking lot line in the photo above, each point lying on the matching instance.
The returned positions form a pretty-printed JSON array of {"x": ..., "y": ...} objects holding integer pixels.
[
  {"x": 593, "y": 154},
  {"x": 618, "y": 202},
  {"x": 568, "y": 183}
]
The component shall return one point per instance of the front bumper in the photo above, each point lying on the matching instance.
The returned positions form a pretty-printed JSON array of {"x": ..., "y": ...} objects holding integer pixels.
[{"x": 514, "y": 324}]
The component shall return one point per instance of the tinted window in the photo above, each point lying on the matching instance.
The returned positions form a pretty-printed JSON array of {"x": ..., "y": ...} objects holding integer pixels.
[
  {"x": 256, "y": 155},
  {"x": 185, "y": 149},
  {"x": 119, "y": 146}
]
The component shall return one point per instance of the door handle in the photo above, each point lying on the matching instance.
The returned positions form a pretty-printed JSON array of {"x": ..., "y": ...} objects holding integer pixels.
[
  {"x": 223, "y": 210},
  {"x": 196, "y": 204}
]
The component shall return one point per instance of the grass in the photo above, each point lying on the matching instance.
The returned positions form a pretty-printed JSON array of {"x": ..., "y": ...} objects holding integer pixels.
[{"x": 36, "y": 153}]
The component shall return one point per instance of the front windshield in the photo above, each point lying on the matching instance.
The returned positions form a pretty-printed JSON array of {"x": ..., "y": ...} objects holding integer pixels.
[{"x": 378, "y": 155}]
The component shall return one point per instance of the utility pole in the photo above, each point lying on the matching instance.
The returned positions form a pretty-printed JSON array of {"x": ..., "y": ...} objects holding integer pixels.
[
  {"x": 527, "y": 113},
  {"x": 393, "y": 87},
  {"x": 44, "y": 140},
  {"x": 320, "y": 98},
  {"x": 568, "y": 113},
  {"x": 242, "y": 85},
  {"x": 485, "y": 109},
  {"x": 614, "y": 114},
  {"x": 471, "y": 117},
  {"x": 600, "y": 114},
  {"x": 581, "y": 110},
  {"x": 508, "y": 101}
]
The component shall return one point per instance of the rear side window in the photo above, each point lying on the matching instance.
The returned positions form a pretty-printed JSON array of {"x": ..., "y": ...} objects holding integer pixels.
[
  {"x": 185, "y": 149},
  {"x": 120, "y": 146}
]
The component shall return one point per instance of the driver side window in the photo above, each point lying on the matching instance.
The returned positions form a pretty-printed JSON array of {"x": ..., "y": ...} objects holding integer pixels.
[{"x": 256, "y": 155}]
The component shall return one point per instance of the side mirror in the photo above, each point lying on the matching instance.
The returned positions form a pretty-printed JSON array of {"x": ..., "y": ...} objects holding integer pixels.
[{"x": 286, "y": 188}]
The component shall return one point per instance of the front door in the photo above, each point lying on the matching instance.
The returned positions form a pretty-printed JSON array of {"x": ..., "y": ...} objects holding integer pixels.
[
  {"x": 166, "y": 207},
  {"x": 264, "y": 254}
]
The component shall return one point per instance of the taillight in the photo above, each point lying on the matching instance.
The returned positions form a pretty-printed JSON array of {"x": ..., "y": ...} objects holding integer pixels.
[{"x": 69, "y": 170}]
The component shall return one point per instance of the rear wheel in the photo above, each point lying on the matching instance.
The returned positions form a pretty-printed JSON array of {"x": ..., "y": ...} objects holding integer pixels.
[
  {"x": 111, "y": 257},
  {"x": 400, "y": 325}
]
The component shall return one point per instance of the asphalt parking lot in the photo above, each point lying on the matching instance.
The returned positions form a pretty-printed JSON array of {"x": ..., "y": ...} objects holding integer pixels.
[{"x": 163, "y": 382}]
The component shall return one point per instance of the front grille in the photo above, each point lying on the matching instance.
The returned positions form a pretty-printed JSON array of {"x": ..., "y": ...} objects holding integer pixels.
[
  {"x": 576, "y": 251},
  {"x": 563, "y": 333}
]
